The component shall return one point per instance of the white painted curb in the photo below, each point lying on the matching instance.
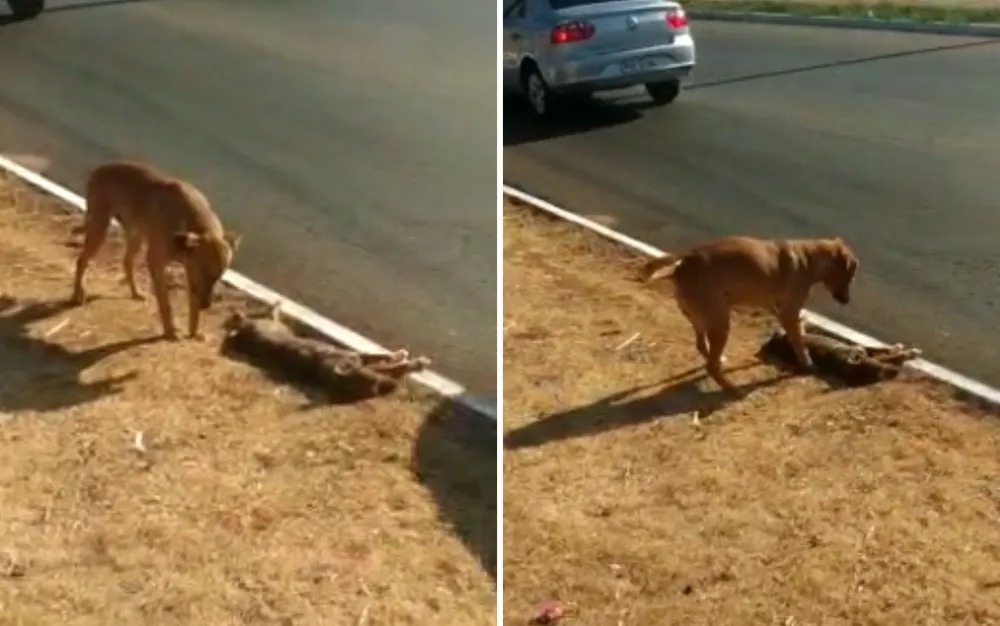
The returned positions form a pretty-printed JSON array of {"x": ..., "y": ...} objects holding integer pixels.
[
  {"x": 301, "y": 314},
  {"x": 963, "y": 383}
]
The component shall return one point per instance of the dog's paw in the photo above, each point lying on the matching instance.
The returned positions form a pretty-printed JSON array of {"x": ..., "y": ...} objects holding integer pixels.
[
  {"x": 807, "y": 369},
  {"x": 399, "y": 356},
  {"x": 170, "y": 335}
]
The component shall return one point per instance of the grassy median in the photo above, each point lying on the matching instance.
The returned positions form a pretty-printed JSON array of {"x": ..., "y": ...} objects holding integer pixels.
[
  {"x": 952, "y": 11},
  {"x": 803, "y": 503},
  {"x": 146, "y": 482}
]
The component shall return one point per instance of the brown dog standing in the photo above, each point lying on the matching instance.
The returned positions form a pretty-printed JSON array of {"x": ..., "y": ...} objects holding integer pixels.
[
  {"x": 710, "y": 279},
  {"x": 176, "y": 222}
]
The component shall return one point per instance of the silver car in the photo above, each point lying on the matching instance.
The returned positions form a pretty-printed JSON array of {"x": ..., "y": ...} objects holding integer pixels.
[{"x": 557, "y": 47}]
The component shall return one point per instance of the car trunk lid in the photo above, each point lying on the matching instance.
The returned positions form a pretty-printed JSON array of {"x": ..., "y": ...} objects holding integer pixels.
[{"x": 620, "y": 25}]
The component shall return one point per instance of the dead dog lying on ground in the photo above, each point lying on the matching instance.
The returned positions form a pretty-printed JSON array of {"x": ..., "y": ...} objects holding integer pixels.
[
  {"x": 850, "y": 364},
  {"x": 345, "y": 375}
]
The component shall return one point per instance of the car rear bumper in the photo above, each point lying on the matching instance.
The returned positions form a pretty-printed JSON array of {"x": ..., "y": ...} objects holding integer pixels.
[{"x": 619, "y": 70}]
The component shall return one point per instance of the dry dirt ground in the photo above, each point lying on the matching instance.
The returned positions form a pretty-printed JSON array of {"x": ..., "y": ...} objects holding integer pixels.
[
  {"x": 802, "y": 504},
  {"x": 251, "y": 504}
]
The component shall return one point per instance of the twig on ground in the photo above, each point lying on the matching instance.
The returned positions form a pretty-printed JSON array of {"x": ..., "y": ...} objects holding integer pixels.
[
  {"x": 627, "y": 342},
  {"x": 363, "y": 618},
  {"x": 56, "y": 328}
]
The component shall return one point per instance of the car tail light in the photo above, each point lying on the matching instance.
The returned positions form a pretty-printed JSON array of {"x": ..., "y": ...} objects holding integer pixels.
[
  {"x": 570, "y": 32},
  {"x": 677, "y": 19}
]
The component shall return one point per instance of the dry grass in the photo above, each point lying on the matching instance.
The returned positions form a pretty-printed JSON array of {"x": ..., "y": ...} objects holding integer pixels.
[
  {"x": 801, "y": 504},
  {"x": 966, "y": 4},
  {"x": 250, "y": 506},
  {"x": 957, "y": 11}
]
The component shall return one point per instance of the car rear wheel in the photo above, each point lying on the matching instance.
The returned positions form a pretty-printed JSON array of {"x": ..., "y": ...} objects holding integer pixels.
[
  {"x": 664, "y": 92},
  {"x": 536, "y": 91},
  {"x": 26, "y": 9}
]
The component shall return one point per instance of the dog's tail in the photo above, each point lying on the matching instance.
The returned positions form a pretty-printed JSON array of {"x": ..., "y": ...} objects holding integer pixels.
[{"x": 660, "y": 267}]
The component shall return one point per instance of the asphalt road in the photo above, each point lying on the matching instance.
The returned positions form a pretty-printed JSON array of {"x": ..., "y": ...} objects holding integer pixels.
[
  {"x": 353, "y": 143},
  {"x": 890, "y": 140}
]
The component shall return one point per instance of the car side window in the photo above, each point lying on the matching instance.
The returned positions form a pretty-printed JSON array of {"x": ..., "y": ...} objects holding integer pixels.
[{"x": 513, "y": 9}]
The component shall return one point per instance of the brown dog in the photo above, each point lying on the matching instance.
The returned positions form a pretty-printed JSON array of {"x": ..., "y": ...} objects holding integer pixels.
[
  {"x": 710, "y": 279},
  {"x": 176, "y": 222}
]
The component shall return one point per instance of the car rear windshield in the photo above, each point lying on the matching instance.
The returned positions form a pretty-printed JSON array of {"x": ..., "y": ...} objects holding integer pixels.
[{"x": 566, "y": 4}]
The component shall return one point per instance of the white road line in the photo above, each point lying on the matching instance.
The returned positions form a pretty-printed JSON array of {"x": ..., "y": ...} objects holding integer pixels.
[
  {"x": 964, "y": 383},
  {"x": 300, "y": 313}
]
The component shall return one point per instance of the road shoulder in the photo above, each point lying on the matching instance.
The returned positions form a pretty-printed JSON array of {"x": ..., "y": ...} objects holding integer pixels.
[
  {"x": 801, "y": 502},
  {"x": 150, "y": 482}
]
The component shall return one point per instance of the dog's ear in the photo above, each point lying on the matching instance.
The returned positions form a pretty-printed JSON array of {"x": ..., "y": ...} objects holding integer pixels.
[
  {"x": 233, "y": 239},
  {"x": 845, "y": 257},
  {"x": 274, "y": 311},
  {"x": 185, "y": 241}
]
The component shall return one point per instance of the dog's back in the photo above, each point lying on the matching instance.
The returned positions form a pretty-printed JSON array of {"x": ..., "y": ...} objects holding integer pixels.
[{"x": 120, "y": 190}]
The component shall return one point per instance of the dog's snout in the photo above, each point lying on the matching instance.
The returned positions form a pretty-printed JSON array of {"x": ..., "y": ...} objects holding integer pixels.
[{"x": 842, "y": 298}]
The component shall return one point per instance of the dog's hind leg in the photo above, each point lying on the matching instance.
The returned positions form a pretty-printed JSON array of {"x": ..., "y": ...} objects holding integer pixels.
[
  {"x": 95, "y": 229},
  {"x": 700, "y": 338},
  {"x": 718, "y": 336}
]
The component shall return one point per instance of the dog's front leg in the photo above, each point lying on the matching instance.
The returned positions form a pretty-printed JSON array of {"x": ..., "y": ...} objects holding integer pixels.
[
  {"x": 132, "y": 244},
  {"x": 158, "y": 276},
  {"x": 194, "y": 310},
  {"x": 790, "y": 318}
]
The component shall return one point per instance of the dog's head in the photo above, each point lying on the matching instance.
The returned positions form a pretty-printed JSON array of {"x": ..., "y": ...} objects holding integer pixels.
[
  {"x": 206, "y": 257},
  {"x": 235, "y": 321},
  {"x": 840, "y": 271}
]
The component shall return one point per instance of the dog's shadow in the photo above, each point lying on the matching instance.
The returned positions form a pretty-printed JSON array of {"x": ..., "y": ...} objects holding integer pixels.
[
  {"x": 39, "y": 375},
  {"x": 679, "y": 395}
]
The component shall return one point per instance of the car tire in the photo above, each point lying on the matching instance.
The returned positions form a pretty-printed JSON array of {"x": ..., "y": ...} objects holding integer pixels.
[
  {"x": 664, "y": 92},
  {"x": 26, "y": 9},
  {"x": 536, "y": 92}
]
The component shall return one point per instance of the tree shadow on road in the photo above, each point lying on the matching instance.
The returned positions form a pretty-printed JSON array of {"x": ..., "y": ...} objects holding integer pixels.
[
  {"x": 91, "y": 4},
  {"x": 7, "y": 18},
  {"x": 454, "y": 456}
]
